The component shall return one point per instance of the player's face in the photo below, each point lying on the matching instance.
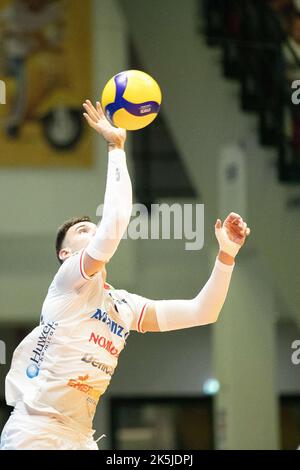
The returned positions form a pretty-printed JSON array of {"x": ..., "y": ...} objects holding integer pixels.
[{"x": 79, "y": 236}]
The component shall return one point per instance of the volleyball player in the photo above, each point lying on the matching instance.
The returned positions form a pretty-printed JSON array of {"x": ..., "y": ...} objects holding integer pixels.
[{"x": 63, "y": 367}]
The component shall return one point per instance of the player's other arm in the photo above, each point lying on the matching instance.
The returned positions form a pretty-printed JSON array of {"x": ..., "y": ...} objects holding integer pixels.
[
  {"x": 118, "y": 194},
  {"x": 168, "y": 315}
]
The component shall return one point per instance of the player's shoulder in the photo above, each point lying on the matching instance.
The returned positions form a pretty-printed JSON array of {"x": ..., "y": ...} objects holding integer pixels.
[
  {"x": 69, "y": 270},
  {"x": 72, "y": 259},
  {"x": 120, "y": 296},
  {"x": 115, "y": 292}
]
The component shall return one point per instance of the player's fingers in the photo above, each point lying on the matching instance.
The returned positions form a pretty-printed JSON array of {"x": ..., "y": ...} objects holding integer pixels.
[
  {"x": 91, "y": 106},
  {"x": 248, "y": 231},
  {"x": 92, "y": 110},
  {"x": 100, "y": 110},
  {"x": 238, "y": 230},
  {"x": 235, "y": 231},
  {"x": 235, "y": 225},
  {"x": 240, "y": 224},
  {"x": 90, "y": 113},
  {"x": 234, "y": 216},
  {"x": 90, "y": 121},
  {"x": 218, "y": 224},
  {"x": 234, "y": 220}
]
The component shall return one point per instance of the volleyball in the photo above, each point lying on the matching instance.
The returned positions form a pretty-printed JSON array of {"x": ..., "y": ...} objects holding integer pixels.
[{"x": 131, "y": 100}]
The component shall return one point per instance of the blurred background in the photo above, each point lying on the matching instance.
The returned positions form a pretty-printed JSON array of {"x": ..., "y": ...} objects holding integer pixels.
[{"x": 228, "y": 137}]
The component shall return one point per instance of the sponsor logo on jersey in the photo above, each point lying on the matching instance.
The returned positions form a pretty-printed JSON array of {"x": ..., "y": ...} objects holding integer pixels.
[
  {"x": 89, "y": 359},
  {"x": 104, "y": 343},
  {"x": 118, "y": 301},
  {"x": 115, "y": 328},
  {"x": 81, "y": 385},
  {"x": 38, "y": 353}
]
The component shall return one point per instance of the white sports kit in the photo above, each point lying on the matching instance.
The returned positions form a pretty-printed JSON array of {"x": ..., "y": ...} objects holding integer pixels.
[{"x": 63, "y": 367}]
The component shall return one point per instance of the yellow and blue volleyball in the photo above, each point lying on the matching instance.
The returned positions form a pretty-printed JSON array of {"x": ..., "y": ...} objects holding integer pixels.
[{"x": 131, "y": 100}]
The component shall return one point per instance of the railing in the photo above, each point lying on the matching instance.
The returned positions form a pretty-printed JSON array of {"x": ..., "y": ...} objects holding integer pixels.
[{"x": 254, "y": 36}]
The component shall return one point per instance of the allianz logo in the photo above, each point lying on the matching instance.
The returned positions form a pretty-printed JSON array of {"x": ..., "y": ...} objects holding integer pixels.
[{"x": 114, "y": 327}]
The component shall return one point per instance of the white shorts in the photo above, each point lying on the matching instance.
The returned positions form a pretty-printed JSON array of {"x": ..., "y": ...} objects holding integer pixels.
[{"x": 24, "y": 431}]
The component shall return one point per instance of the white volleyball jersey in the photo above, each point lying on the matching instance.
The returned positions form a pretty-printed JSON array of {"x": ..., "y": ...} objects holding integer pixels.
[{"x": 66, "y": 363}]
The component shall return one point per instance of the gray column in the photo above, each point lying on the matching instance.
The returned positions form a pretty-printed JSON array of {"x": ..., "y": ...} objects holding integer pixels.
[{"x": 246, "y": 409}]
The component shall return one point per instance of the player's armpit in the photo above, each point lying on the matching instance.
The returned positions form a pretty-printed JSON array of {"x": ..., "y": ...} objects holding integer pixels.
[
  {"x": 149, "y": 322},
  {"x": 91, "y": 265}
]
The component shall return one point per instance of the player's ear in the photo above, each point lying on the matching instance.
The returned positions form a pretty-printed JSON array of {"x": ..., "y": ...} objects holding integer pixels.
[{"x": 64, "y": 254}]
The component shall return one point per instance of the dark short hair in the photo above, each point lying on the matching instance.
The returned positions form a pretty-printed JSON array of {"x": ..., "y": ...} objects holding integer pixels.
[{"x": 63, "y": 229}]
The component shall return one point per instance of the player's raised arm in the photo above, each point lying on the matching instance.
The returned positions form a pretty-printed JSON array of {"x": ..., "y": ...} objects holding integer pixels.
[
  {"x": 167, "y": 315},
  {"x": 118, "y": 194}
]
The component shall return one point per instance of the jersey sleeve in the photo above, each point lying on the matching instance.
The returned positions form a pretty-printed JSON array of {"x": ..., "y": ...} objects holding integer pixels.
[
  {"x": 71, "y": 275},
  {"x": 138, "y": 306}
]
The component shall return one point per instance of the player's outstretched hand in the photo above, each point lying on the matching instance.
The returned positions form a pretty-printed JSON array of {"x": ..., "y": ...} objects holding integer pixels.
[
  {"x": 232, "y": 234},
  {"x": 236, "y": 229},
  {"x": 96, "y": 119}
]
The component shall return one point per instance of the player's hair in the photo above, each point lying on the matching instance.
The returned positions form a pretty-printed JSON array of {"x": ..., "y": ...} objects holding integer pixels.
[{"x": 63, "y": 229}]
